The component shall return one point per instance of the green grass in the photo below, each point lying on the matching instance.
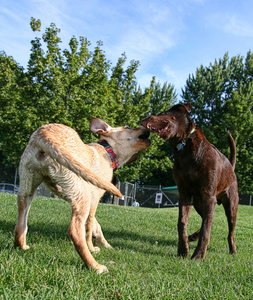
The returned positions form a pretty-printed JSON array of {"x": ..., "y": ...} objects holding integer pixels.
[{"x": 142, "y": 265}]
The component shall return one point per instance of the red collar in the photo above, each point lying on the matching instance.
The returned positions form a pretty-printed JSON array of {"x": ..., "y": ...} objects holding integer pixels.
[{"x": 111, "y": 153}]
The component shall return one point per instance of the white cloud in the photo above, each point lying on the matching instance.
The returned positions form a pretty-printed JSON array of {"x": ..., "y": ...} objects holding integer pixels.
[
  {"x": 232, "y": 23},
  {"x": 169, "y": 38},
  {"x": 237, "y": 26},
  {"x": 148, "y": 33}
]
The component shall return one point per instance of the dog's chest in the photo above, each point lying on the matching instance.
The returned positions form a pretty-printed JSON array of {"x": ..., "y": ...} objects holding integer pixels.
[{"x": 186, "y": 171}]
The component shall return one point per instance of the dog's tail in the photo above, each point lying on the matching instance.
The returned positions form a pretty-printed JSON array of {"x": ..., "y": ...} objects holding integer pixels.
[
  {"x": 232, "y": 150},
  {"x": 65, "y": 158}
]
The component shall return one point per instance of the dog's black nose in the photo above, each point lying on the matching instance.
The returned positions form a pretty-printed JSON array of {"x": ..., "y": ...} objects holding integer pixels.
[{"x": 145, "y": 135}]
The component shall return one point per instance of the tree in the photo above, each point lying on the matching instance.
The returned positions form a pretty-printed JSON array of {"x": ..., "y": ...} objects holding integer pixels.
[
  {"x": 222, "y": 97},
  {"x": 12, "y": 81},
  {"x": 70, "y": 87}
]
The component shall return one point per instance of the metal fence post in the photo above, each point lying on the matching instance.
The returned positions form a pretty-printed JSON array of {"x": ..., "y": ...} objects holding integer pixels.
[{"x": 126, "y": 194}]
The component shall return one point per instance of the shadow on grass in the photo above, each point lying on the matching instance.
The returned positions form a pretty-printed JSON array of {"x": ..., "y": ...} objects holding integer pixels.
[
  {"x": 132, "y": 240},
  {"x": 37, "y": 229},
  {"x": 60, "y": 232}
]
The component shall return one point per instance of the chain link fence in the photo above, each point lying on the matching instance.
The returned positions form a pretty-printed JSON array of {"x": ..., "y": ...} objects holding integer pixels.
[
  {"x": 246, "y": 199},
  {"x": 144, "y": 194}
]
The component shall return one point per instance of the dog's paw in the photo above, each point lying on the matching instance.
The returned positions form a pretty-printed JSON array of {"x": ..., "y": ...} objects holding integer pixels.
[
  {"x": 182, "y": 250},
  {"x": 194, "y": 237},
  {"x": 183, "y": 255},
  {"x": 101, "y": 269},
  {"x": 108, "y": 246},
  {"x": 25, "y": 247},
  {"x": 198, "y": 255},
  {"x": 95, "y": 249},
  {"x": 232, "y": 251}
]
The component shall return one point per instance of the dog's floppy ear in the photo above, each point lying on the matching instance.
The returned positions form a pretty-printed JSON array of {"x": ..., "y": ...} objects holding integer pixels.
[
  {"x": 188, "y": 106},
  {"x": 183, "y": 107},
  {"x": 99, "y": 126}
]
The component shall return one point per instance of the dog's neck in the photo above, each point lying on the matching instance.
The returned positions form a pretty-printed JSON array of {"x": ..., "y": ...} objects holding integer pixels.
[
  {"x": 111, "y": 153},
  {"x": 181, "y": 145}
]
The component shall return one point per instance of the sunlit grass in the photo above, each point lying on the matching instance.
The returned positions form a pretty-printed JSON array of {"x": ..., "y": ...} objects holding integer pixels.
[{"x": 142, "y": 265}]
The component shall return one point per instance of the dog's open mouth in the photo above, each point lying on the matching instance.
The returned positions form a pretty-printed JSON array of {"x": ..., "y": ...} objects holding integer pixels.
[{"x": 161, "y": 129}]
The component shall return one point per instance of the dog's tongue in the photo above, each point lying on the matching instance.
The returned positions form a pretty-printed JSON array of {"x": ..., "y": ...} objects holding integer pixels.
[{"x": 164, "y": 130}]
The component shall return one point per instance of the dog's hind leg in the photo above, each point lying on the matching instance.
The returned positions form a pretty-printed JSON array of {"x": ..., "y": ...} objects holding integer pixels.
[
  {"x": 230, "y": 205},
  {"x": 27, "y": 189},
  {"x": 93, "y": 228},
  {"x": 194, "y": 237},
  {"x": 77, "y": 233}
]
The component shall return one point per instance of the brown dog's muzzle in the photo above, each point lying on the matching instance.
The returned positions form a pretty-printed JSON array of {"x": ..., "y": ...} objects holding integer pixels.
[
  {"x": 147, "y": 121},
  {"x": 156, "y": 124}
]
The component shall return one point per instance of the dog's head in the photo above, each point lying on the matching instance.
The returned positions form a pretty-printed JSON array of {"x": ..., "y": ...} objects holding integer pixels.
[
  {"x": 171, "y": 123},
  {"x": 125, "y": 141}
]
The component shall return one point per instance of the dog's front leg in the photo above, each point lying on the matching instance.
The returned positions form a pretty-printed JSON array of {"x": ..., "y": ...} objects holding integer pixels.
[
  {"x": 77, "y": 233},
  {"x": 93, "y": 229},
  {"x": 91, "y": 224},
  {"x": 184, "y": 212},
  {"x": 205, "y": 230}
]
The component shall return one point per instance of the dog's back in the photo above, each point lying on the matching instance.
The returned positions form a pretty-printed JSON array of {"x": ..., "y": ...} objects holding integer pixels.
[{"x": 56, "y": 145}]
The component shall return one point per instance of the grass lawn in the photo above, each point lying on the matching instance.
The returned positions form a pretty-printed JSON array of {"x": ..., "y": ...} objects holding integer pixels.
[{"x": 142, "y": 265}]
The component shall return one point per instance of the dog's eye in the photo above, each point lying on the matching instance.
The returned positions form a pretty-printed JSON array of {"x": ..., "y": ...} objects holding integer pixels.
[
  {"x": 173, "y": 118},
  {"x": 127, "y": 127}
]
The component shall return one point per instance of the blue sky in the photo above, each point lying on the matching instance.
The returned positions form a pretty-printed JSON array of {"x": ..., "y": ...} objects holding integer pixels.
[{"x": 170, "y": 38}]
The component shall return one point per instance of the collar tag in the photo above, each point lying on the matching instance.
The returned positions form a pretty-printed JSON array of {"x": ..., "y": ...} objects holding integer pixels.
[{"x": 181, "y": 145}]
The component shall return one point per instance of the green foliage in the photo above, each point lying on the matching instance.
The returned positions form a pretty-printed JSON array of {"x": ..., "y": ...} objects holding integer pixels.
[
  {"x": 70, "y": 87},
  {"x": 142, "y": 265},
  {"x": 222, "y": 97},
  {"x": 12, "y": 82},
  {"x": 35, "y": 24}
]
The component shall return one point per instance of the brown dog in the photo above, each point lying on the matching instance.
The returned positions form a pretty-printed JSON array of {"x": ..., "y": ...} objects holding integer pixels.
[
  {"x": 78, "y": 173},
  {"x": 203, "y": 175}
]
